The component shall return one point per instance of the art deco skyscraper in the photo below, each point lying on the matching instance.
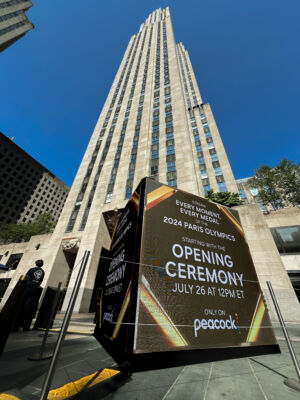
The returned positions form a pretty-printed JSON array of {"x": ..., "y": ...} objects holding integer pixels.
[{"x": 153, "y": 123}]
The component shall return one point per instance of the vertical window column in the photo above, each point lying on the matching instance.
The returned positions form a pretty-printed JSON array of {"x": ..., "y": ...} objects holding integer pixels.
[
  {"x": 170, "y": 141},
  {"x": 213, "y": 154},
  {"x": 132, "y": 164},
  {"x": 114, "y": 171},
  {"x": 154, "y": 162}
]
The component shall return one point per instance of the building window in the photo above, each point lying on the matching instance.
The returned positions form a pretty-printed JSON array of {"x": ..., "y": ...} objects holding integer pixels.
[
  {"x": 128, "y": 192},
  {"x": 203, "y": 173},
  {"x": 154, "y": 155},
  {"x": 171, "y": 176},
  {"x": 287, "y": 238},
  {"x": 171, "y": 166},
  {"x": 170, "y": 150},
  {"x": 173, "y": 183},
  {"x": 222, "y": 187},
  {"x": 108, "y": 198},
  {"x": 242, "y": 193},
  {"x": 14, "y": 260},
  {"x": 218, "y": 171},
  {"x": 206, "y": 188}
]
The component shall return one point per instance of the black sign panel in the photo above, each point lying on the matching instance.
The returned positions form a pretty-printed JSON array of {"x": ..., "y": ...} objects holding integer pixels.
[
  {"x": 197, "y": 283},
  {"x": 119, "y": 272}
]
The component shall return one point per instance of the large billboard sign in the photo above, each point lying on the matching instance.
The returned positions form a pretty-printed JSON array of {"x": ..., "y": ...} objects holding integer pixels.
[{"x": 189, "y": 286}]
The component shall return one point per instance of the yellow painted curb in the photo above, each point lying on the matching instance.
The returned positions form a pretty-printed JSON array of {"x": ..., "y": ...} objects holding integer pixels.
[
  {"x": 71, "y": 332},
  {"x": 72, "y": 388}
]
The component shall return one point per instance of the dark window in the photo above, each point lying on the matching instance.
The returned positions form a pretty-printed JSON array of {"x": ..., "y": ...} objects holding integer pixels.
[
  {"x": 171, "y": 176},
  {"x": 171, "y": 157},
  {"x": 220, "y": 178},
  {"x": 287, "y": 238},
  {"x": 14, "y": 260}
]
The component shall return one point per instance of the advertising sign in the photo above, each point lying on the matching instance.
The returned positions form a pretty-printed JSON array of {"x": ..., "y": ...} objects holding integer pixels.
[
  {"x": 119, "y": 272},
  {"x": 197, "y": 284},
  {"x": 192, "y": 292}
]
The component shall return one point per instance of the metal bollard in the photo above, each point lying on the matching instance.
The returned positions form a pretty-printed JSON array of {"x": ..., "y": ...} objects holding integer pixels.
[
  {"x": 292, "y": 383},
  {"x": 50, "y": 372}
]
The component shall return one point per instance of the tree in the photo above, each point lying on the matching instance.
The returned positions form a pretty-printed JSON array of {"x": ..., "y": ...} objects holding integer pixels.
[
  {"x": 288, "y": 174},
  {"x": 277, "y": 186},
  {"x": 228, "y": 199},
  {"x": 15, "y": 233}
]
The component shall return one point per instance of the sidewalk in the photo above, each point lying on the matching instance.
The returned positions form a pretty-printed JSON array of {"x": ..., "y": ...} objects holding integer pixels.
[{"x": 254, "y": 378}]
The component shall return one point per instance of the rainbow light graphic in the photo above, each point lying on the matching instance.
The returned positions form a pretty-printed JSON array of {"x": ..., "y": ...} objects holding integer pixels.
[
  {"x": 257, "y": 320},
  {"x": 158, "y": 195},
  {"x": 155, "y": 310},
  {"x": 122, "y": 312}
]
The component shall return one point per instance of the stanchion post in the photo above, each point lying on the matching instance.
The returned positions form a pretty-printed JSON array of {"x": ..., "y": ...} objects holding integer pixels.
[
  {"x": 42, "y": 356},
  {"x": 67, "y": 317},
  {"x": 288, "y": 381}
]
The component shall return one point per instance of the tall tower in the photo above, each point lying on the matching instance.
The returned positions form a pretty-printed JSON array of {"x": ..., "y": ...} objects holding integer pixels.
[{"x": 153, "y": 123}]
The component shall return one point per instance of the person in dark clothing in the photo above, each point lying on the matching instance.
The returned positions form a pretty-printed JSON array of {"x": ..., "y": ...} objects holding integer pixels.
[
  {"x": 31, "y": 296},
  {"x": 36, "y": 274}
]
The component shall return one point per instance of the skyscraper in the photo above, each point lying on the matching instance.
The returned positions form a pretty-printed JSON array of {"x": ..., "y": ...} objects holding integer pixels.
[
  {"x": 27, "y": 188},
  {"x": 153, "y": 123},
  {"x": 13, "y": 21}
]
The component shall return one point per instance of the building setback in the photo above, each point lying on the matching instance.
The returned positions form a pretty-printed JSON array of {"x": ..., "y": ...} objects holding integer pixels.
[
  {"x": 13, "y": 21},
  {"x": 153, "y": 123},
  {"x": 27, "y": 189}
]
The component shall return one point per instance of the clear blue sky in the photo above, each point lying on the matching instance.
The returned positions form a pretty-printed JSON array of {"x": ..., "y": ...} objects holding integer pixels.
[{"x": 245, "y": 54}]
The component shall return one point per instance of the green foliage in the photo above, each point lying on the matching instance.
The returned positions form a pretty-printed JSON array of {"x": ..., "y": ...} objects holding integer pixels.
[
  {"x": 228, "y": 199},
  {"x": 278, "y": 186},
  {"x": 15, "y": 233}
]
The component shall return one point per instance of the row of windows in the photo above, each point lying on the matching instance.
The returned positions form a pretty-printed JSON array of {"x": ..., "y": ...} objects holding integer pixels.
[
  {"x": 13, "y": 27},
  {"x": 190, "y": 80},
  {"x": 132, "y": 165},
  {"x": 111, "y": 184},
  {"x": 11, "y": 3},
  {"x": 11, "y": 15},
  {"x": 154, "y": 163},
  {"x": 170, "y": 143},
  {"x": 187, "y": 96}
]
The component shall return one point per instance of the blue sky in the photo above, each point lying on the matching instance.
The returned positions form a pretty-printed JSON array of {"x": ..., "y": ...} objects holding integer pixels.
[{"x": 54, "y": 81}]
